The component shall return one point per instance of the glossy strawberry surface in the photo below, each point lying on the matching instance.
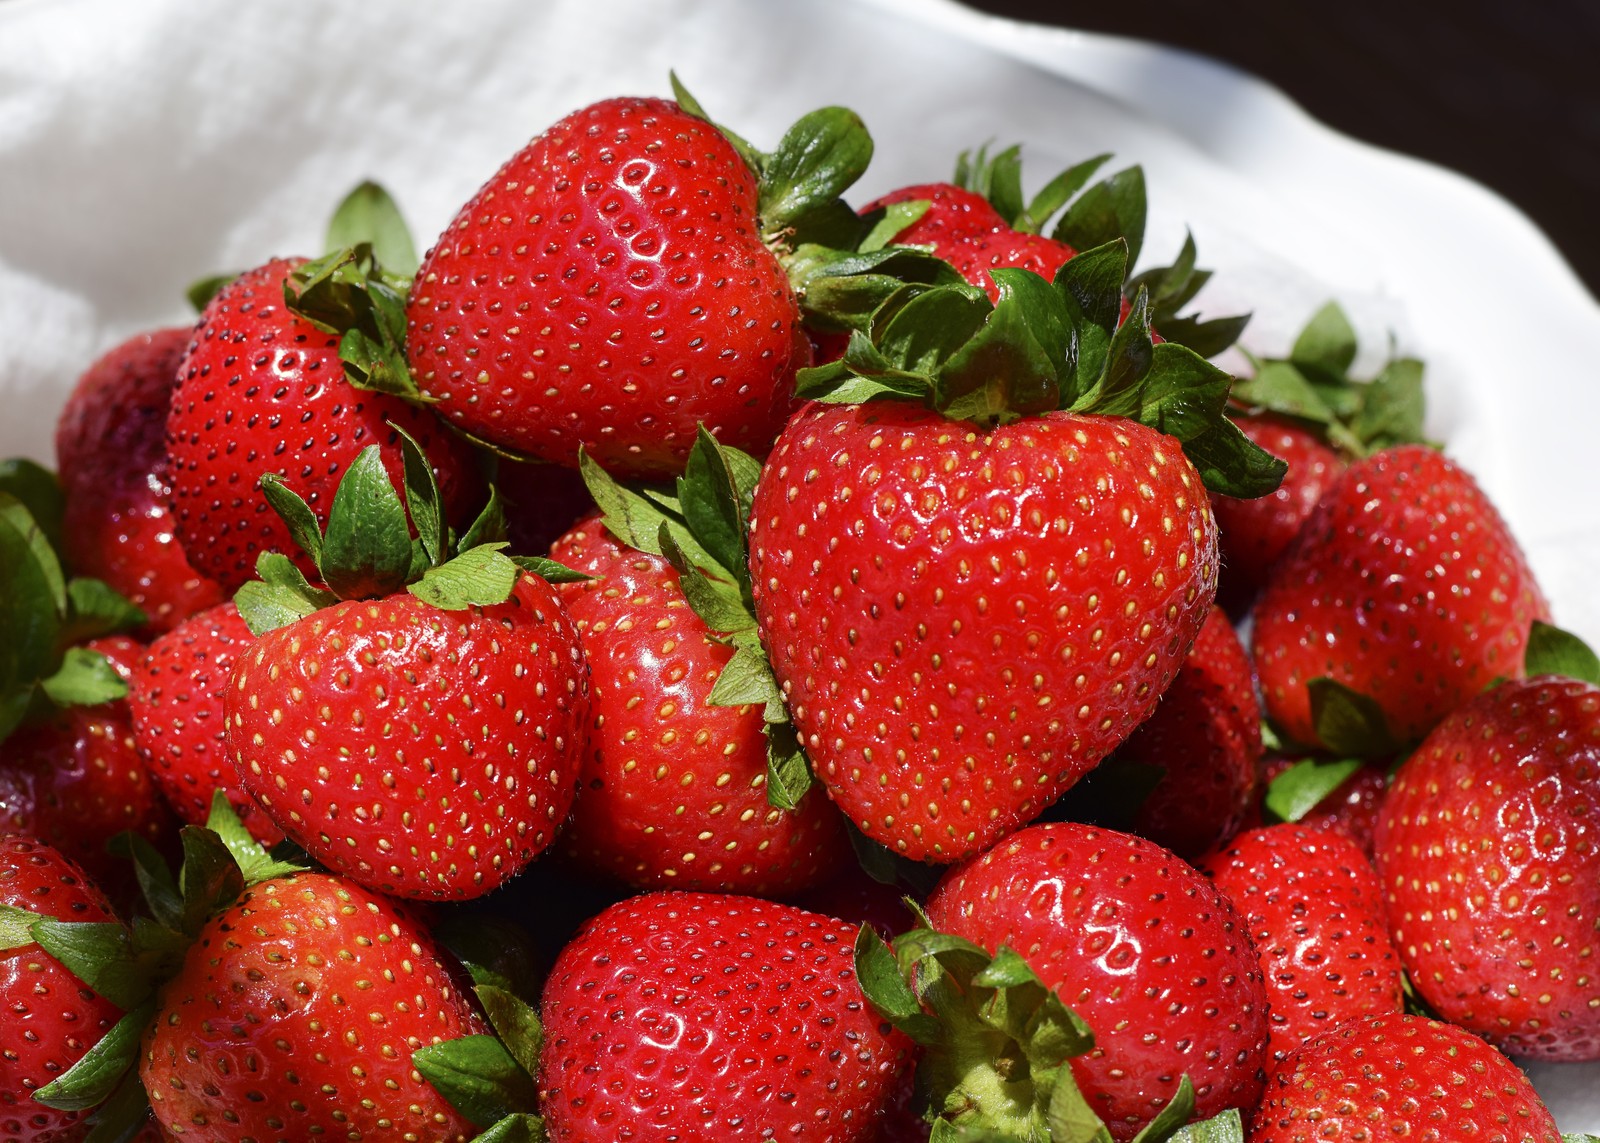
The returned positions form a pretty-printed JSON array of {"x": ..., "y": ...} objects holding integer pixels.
[
  {"x": 1316, "y": 917},
  {"x": 610, "y": 287},
  {"x": 1147, "y": 951},
  {"x": 111, "y": 458},
  {"x": 51, "y": 1017},
  {"x": 703, "y": 1018},
  {"x": 261, "y": 390},
  {"x": 965, "y": 622},
  {"x": 1489, "y": 849},
  {"x": 1405, "y": 585},
  {"x": 295, "y": 1016},
  {"x": 1400, "y": 1077},
  {"x": 673, "y": 789},
  {"x": 425, "y": 753}
]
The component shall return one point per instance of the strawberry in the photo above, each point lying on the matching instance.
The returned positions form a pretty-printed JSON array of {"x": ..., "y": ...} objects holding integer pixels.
[
  {"x": 1315, "y": 913},
  {"x": 1486, "y": 850},
  {"x": 1406, "y": 588},
  {"x": 698, "y": 1017},
  {"x": 1399, "y": 1076},
  {"x": 445, "y": 684},
  {"x": 175, "y": 698},
  {"x": 1145, "y": 950},
  {"x": 52, "y": 1017},
  {"x": 111, "y": 453},
  {"x": 673, "y": 787},
  {"x": 295, "y": 1014},
  {"x": 1193, "y": 762},
  {"x": 620, "y": 281},
  {"x": 965, "y": 618},
  {"x": 261, "y": 390}
]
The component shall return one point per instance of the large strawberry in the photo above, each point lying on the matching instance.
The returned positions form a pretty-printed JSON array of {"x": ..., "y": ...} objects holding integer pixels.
[
  {"x": 713, "y": 1019},
  {"x": 619, "y": 282},
  {"x": 968, "y": 606},
  {"x": 1315, "y": 914},
  {"x": 1487, "y": 850},
  {"x": 1405, "y": 588},
  {"x": 417, "y": 724},
  {"x": 1400, "y": 1077},
  {"x": 111, "y": 454},
  {"x": 51, "y": 1017}
]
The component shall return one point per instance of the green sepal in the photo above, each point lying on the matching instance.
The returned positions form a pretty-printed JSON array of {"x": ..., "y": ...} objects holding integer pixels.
[
  {"x": 516, "y": 1022},
  {"x": 1392, "y": 406},
  {"x": 255, "y": 861},
  {"x": 1011, "y": 367},
  {"x": 887, "y": 867},
  {"x": 369, "y": 214},
  {"x": 32, "y": 609},
  {"x": 1056, "y": 193},
  {"x": 789, "y": 777},
  {"x": 95, "y": 608},
  {"x": 1552, "y": 651},
  {"x": 280, "y": 597},
  {"x": 295, "y": 513},
  {"x": 883, "y": 984},
  {"x": 495, "y": 950},
  {"x": 100, "y": 1070},
  {"x": 101, "y": 954},
  {"x": 349, "y": 292},
  {"x": 481, "y": 577},
  {"x": 84, "y": 678},
  {"x": 1112, "y": 209},
  {"x": 519, "y": 1128},
  {"x": 210, "y": 878},
  {"x": 1228, "y": 1127},
  {"x": 551, "y": 571},
  {"x": 366, "y": 547},
  {"x": 1325, "y": 349},
  {"x": 479, "y": 1077},
  {"x": 840, "y": 290},
  {"x": 1348, "y": 722},
  {"x": 885, "y": 223},
  {"x": 39, "y": 492},
  {"x": 1171, "y": 1117},
  {"x": 714, "y": 507},
  {"x": 815, "y": 162},
  {"x": 488, "y": 526},
  {"x": 1579, "y": 1137},
  {"x": 423, "y": 501},
  {"x": 1298, "y": 790},
  {"x": 1175, "y": 286},
  {"x": 996, "y": 177},
  {"x": 124, "y": 1114},
  {"x": 16, "y": 927},
  {"x": 154, "y": 876},
  {"x": 753, "y": 158},
  {"x": 200, "y": 293}
]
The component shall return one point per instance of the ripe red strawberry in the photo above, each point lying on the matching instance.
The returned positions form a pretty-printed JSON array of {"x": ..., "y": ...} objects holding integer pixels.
[
  {"x": 51, "y": 1017},
  {"x": 1315, "y": 914},
  {"x": 111, "y": 456},
  {"x": 1487, "y": 853},
  {"x": 1256, "y": 533},
  {"x": 1399, "y": 1076},
  {"x": 611, "y": 287},
  {"x": 699, "y": 1017},
  {"x": 1153, "y": 958},
  {"x": 966, "y": 621},
  {"x": 1200, "y": 749},
  {"x": 295, "y": 1015},
  {"x": 262, "y": 390},
  {"x": 175, "y": 698},
  {"x": 673, "y": 789},
  {"x": 1405, "y": 586},
  {"x": 75, "y": 779}
]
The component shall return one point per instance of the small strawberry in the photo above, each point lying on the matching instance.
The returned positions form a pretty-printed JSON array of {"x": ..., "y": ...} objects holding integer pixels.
[
  {"x": 111, "y": 453},
  {"x": 1487, "y": 852},
  {"x": 52, "y": 1017},
  {"x": 1398, "y": 1076},
  {"x": 1404, "y": 587},
  {"x": 175, "y": 698},
  {"x": 1147, "y": 952},
  {"x": 417, "y": 725},
  {"x": 1315, "y": 913},
  {"x": 713, "y": 1018}
]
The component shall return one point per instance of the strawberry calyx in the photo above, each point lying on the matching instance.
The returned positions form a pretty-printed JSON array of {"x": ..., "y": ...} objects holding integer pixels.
[
  {"x": 701, "y": 527},
  {"x": 997, "y": 1045},
  {"x": 1313, "y": 386},
  {"x": 1045, "y": 346},
  {"x": 1552, "y": 651},
  {"x": 368, "y": 551},
  {"x": 127, "y": 964},
  {"x": 489, "y": 1078},
  {"x": 44, "y": 614}
]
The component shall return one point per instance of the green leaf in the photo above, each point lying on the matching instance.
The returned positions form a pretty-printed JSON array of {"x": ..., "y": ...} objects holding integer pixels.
[
  {"x": 1183, "y": 395},
  {"x": 366, "y": 550},
  {"x": 489, "y": 526},
  {"x": 1579, "y": 1137},
  {"x": 478, "y": 1076},
  {"x": 885, "y": 988},
  {"x": 368, "y": 214},
  {"x": 280, "y": 596},
  {"x": 551, "y": 571},
  {"x": 1128, "y": 360},
  {"x": 711, "y": 507},
  {"x": 255, "y": 863},
  {"x": 95, "y": 608},
  {"x": 887, "y": 867},
  {"x": 349, "y": 293},
  {"x": 518, "y": 1128},
  {"x": 100, "y": 1070},
  {"x": 746, "y": 679},
  {"x": 997, "y": 178},
  {"x": 14, "y": 512},
  {"x": 1327, "y": 346},
  {"x": 155, "y": 878},
  {"x": 1107, "y": 211},
  {"x": 99, "y": 953},
  {"x": 1279, "y": 387},
  {"x": 1171, "y": 1117},
  {"x": 628, "y": 516},
  {"x": 1392, "y": 406},
  {"x": 753, "y": 158},
  {"x": 124, "y": 1114},
  {"x": 1071, "y": 1119},
  {"x": 200, "y": 293},
  {"x": 423, "y": 500},
  {"x": 1348, "y": 722},
  {"x": 788, "y": 773},
  {"x": 1298, "y": 790},
  {"x": 210, "y": 879},
  {"x": 1091, "y": 283},
  {"x": 1056, "y": 193},
  {"x": 516, "y": 1023},
  {"x": 39, "y": 492},
  {"x": 1012, "y": 365},
  {"x": 1225, "y": 1128},
  {"x": 85, "y": 678},
  {"x": 479, "y": 577},
  {"x": 919, "y": 329},
  {"x": 1552, "y": 651},
  {"x": 888, "y": 221},
  {"x": 817, "y": 159},
  {"x": 1231, "y": 464},
  {"x": 296, "y": 513},
  {"x": 16, "y": 927}
]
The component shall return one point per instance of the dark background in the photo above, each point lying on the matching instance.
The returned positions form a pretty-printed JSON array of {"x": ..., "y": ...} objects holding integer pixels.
[{"x": 1505, "y": 91}]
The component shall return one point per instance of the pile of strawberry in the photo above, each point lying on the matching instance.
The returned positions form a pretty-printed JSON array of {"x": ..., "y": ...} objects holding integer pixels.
[{"x": 691, "y": 659}]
